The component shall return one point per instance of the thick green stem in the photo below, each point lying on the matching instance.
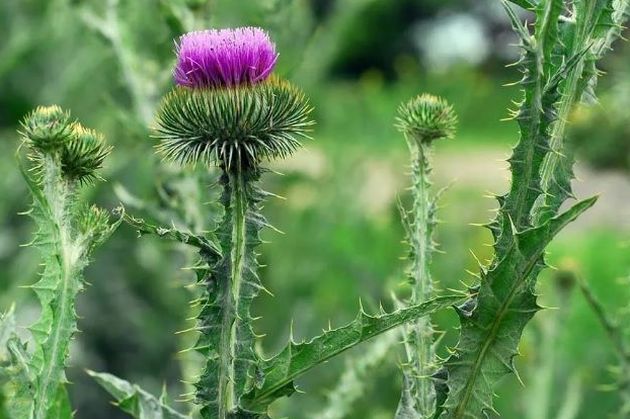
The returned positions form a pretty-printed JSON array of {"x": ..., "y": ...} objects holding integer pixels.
[
  {"x": 227, "y": 338},
  {"x": 232, "y": 299}
]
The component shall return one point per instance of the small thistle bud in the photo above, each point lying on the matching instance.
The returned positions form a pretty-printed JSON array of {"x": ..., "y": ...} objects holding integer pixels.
[
  {"x": 226, "y": 57},
  {"x": 226, "y": 109},
  {"x": 47, "y": 128},
  {"x": 426, "y": 118},
  {"x": 93, "y": 222},
  {"x": 83, "y": 155}
]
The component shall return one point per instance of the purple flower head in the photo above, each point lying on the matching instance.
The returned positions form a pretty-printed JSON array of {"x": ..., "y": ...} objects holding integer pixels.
[{"x": 224, "y": 57}]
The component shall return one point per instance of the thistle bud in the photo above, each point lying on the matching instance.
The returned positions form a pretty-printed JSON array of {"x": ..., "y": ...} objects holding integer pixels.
[
  {"x": 426, "y": 118},
  {"x": 226, "y": 109},
  {"x": 93, "y": 222},
  {"x": 83, "y": 154},
  {"x": 47, "y": 128}
]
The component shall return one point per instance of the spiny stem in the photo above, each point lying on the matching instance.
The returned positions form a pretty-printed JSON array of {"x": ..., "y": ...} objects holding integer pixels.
[
  {"x": 58, "y": 191},
  {"x": 230, "y": 317},
  {"x": 225, "y": 323},
  {"x": 419, "y": 341}
]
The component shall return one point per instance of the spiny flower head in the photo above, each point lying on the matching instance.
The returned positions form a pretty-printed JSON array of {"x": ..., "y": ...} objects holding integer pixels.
[
  {"x": 224, "y": 58},
  {"x": 235, "y": 128},
  {"x": 84, "y": 154},
  {"x": 426, "y": 118},
  {"x": 47, "y": 128}
]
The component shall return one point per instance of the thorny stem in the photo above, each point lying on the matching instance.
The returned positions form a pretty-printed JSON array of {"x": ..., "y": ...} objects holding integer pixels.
[
  {"x": 419, "y": 341},
  {"x": 225, "y": 322},
  {"x": 58, "y": 192},
  {"x": 229, "y": 336}
]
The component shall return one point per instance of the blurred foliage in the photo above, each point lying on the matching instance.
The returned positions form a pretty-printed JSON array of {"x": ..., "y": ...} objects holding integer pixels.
[{"x": 109, "y": 61}]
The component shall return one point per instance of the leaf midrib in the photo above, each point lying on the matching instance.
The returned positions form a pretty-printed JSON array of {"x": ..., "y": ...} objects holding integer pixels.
[{"x": 481, "y": 355}]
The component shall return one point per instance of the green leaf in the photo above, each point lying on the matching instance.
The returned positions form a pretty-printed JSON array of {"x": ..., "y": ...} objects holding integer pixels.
[
  {"x": 548, "y": 13},
  {"x": 206, "y": 244},
  {"x": 525, "y": 4},
  {"x": 296, "y": 359},
  {"x": 7, "y": 330},
  {"x": 15, "y": 381},
  {"x": 60, "y": 407},
  {"x": 492, "y": 322},
  {"x": 134, "y": 400}
]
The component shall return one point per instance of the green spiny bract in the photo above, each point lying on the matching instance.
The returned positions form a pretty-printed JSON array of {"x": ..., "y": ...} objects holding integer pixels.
[
  {"x": 47, "y": 128},
  {"x": 426, "y": 118},
  {"x": 553, "y": 62},
  {"x": 67, "y": 233},
  {"x": 50, "y": 133},
  {"x": 233, "y": 126},
  {"x": 83, "y": 154},
  {"x": 422, "y": 120}
]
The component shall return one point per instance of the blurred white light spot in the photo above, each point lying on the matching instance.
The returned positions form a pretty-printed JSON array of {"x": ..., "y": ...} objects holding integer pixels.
[{"x": 452, "y": 40}]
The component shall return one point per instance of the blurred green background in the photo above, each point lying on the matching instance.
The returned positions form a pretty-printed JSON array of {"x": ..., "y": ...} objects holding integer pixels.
[{"x": 110, "y": 61}]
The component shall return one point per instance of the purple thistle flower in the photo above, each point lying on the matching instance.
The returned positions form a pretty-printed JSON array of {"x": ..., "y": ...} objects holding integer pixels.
[{"x": 225, "y": 57}]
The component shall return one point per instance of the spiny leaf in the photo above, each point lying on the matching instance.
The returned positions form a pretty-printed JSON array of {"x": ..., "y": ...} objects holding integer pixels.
[
  {"x": 296, "y": 359},
  {"x": 60, "y": 407},
  {"x": 548, "y": 13},
  {"x": 206, "y": 244},
  {"x": 491, "y": 331},
  {"x": 589, "y": 36},
  {"x": 7, "y": 330},
  {"x": 134, "y": 400},
  {"x": 525, "y": 4}
]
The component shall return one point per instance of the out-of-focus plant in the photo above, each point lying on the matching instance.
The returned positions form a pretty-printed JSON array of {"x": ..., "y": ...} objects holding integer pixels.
[
  {"x": 228, "y": 111},
  {"x": 618, "y": 337},
  {"x": 559, "y": 67},
  {"x": 610, "y": 123},
  {"x": 64, "y": 156},
  {"x": 541, "y": 382}
]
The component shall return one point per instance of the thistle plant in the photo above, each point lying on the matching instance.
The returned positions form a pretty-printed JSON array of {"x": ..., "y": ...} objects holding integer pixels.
[
  {"x": 229, "y": 111},
  {"x": 422, "y": 120},
  {"x": 559, "y": 68},
  {"x": 64, "y": 156}
]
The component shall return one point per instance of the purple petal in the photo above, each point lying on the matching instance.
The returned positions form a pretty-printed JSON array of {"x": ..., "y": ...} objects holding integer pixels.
[{"x": 224, "y": 57}]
